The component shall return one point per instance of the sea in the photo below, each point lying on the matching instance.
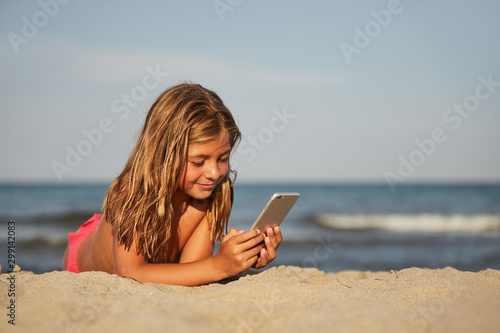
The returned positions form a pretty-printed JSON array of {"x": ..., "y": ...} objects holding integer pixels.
[{"x": 332, "y": 227}]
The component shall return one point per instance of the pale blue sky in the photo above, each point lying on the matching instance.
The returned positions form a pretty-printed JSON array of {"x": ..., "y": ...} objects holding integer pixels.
[{"x": 338, "y": 120}]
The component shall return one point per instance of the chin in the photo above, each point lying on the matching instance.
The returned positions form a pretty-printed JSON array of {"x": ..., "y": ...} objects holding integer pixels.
[{"x": 200, "y": 195}]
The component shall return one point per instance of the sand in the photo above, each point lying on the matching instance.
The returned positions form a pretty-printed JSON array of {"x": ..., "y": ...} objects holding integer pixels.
[{"x": 279, "y": 299}]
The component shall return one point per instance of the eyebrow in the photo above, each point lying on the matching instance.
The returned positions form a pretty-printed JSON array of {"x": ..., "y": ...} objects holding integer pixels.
[{"x": 206, "y": 156}]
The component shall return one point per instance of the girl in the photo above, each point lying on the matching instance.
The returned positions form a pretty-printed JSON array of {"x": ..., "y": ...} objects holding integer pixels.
[{"x": 172, "y": 201}]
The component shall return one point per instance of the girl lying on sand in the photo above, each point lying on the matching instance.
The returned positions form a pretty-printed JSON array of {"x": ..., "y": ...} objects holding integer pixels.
[{"x": 172, "y": 201}]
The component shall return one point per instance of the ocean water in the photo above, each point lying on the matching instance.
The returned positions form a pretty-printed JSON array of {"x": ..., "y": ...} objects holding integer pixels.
[{"x": 332, "y": 227}]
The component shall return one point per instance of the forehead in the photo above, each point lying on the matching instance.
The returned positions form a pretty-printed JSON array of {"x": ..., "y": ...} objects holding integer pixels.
[{"x": 218, "y": 145}]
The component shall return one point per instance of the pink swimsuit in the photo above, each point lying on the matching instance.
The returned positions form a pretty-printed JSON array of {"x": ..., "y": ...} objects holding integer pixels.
[{"x": 76, "y": 239}]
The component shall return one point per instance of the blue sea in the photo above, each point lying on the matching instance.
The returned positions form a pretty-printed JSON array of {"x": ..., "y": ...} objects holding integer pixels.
[{"x": 332, "y": 227}]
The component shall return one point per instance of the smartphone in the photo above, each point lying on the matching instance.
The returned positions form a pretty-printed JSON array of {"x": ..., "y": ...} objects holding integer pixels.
[{"x": 275, "y": 211}]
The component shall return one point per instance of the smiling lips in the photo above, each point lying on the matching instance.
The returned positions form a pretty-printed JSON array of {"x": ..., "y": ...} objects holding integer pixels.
[{"x": 207, "y": 186}]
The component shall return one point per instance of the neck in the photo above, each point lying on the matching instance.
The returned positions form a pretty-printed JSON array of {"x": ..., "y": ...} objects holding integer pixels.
[{"x": 180, "y": 202}]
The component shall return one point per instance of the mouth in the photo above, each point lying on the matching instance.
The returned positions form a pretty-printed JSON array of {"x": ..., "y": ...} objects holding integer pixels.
[{"x": 207, "y": 187}]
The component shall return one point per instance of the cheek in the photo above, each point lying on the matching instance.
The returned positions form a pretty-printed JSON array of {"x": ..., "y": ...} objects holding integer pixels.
[
  {"x": 224, "y": 168},
  {"x": 192, "y": 173},
  {"x": 183, "y": 180}
]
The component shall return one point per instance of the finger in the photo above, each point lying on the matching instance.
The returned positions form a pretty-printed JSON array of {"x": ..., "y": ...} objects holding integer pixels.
[
  {"x": 231, "y": 233},
  {"x": 249, "y": 239},
  {"x": 257, "y": 242},
  {"x": 252, "y": 256},
  {"x": 271, "y": 249},
  {"x": 234, "y": 232},
  {"x": 275, "y": 238},
  {"x": 277, "y": 232},
  {"x": 254, "y": 262},
  {"x": 242, "y": 236},
  {"x": 263, "y": 258},
  {"x": 262, "y": 261},
  {"x": 272, "y": 236},
  {"x": 278, "y": 237},
  {"x": 254, "y": 251}
]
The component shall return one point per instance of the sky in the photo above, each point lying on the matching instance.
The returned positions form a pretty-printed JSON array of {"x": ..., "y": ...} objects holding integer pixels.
[{"x": 388, "y": 91}]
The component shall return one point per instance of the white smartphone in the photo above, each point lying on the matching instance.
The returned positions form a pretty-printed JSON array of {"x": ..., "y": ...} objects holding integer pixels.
[{"x": 275, "y": 211}]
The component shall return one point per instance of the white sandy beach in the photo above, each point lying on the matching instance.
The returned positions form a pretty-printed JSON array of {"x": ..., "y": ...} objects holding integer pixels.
[{"x": 280, "y": 299}]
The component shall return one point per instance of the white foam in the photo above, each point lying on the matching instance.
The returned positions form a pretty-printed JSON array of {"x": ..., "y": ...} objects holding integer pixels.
[{"x": 412, "y": 223}]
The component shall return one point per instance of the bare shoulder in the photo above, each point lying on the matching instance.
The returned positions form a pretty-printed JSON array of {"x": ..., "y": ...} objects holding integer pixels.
[{"x": 101, "y": 252}]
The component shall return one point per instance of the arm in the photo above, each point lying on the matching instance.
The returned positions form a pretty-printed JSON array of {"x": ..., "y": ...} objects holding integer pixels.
[
  {"x": 238, "y": 252},
  {"x": 198, "y": 246}
]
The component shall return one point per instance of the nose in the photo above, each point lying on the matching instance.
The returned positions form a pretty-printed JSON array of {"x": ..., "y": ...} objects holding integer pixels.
[{"x": 212, "y": 171}]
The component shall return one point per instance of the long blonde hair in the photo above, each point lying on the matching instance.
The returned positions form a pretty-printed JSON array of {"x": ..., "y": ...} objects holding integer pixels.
[{"x": 139, "y": 202}]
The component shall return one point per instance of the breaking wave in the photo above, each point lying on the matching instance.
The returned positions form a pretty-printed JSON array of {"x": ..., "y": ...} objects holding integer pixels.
[{"x": 432, "y": 223}]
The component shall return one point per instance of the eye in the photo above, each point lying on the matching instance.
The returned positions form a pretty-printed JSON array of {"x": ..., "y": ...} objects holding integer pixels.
[
  {"x": 224, "y": 159},
  {"x": 197, "y": 164}
]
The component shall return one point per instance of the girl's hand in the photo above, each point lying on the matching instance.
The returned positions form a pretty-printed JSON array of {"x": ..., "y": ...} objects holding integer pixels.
[
  {"x": 272, "y": 242},
  {"x": 239, "y": 250}
]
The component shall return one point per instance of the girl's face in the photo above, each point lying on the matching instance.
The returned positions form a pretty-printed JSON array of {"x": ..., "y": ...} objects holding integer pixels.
[{"x": 206, "y": 165}]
